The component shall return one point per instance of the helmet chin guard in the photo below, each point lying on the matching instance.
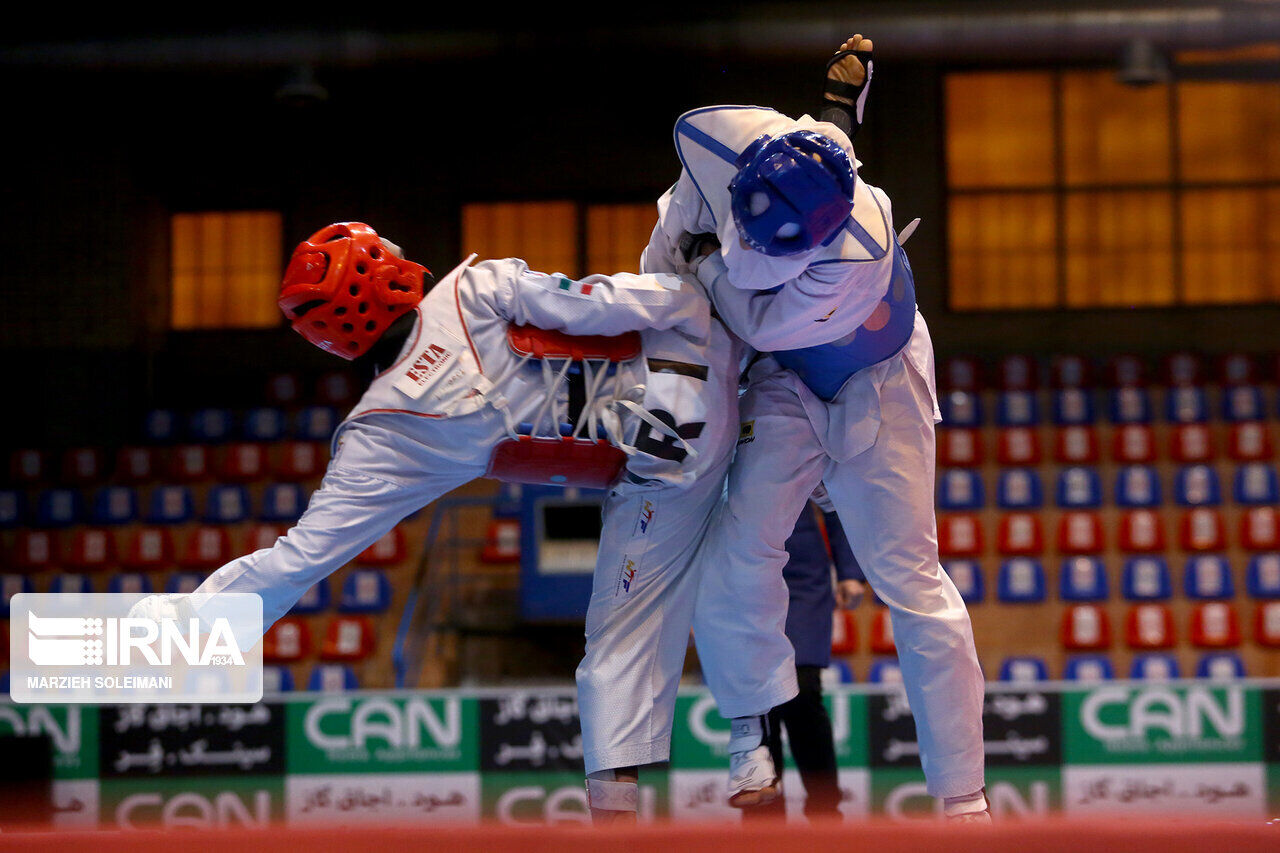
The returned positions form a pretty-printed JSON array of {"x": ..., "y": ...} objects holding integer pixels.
[
  {"x": 345, "y": 285},
  {"x": 792, "y": 192}
]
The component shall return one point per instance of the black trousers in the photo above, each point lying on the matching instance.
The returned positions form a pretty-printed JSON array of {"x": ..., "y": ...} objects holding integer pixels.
[{"x": 812, "y": 749}]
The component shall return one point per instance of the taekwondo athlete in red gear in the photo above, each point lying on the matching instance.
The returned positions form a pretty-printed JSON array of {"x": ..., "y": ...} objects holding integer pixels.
[{"x": 809, "y": 272}]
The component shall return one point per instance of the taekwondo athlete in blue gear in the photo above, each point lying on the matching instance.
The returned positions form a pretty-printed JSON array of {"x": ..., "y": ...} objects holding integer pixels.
[{"x": 854, "y": 411}]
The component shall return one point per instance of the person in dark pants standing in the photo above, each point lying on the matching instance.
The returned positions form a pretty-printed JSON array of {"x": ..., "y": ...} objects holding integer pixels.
[{"x": 813, "y": 598}]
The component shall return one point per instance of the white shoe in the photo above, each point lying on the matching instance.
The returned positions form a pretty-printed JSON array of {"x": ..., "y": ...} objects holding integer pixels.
[{"x": 753, "y": 780}]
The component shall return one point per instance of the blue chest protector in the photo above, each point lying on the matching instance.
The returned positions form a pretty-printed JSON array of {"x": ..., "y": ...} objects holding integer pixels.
[{"x": 827, "y": 367}]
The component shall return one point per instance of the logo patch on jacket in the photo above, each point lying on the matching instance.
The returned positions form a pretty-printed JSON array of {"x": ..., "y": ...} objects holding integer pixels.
[
  {"x": 645, "y": 519},
  {"x": 747, "y": 432},
  {"x": 626, "y": 576}
]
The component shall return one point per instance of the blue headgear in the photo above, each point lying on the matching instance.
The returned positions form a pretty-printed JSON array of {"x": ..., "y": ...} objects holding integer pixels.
[{"x": 791, "y": 192}]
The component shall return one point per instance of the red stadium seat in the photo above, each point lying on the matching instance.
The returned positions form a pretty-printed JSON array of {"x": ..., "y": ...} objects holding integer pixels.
[
  {"x": 302, "y": 460},
  {"x": 1183, "y": 368},
  {"x": 1149, "y": 626},
  {"x": 1191, "y": 443},
  {"x": 1133, "y": 444},
  {"x": 28, "y": 467},
  {"x": 960, "y": 535},
  {"x": 149, "y": 548},
  {"x": 1018, "y": 373},
  {"x": 1260, "y": 529},
  {"x": 882, "y": 634},
  {"x": 1126, "y": 371},
  {"x": 1249, "y": 442},
  {"x": 244, "y": 461},
  {"x": 501, "y": 541},
  {"x": 91, "y": 549},
  {"x": 189, "y": 462},
  {"x": 262, "y": 535},
  {"x": 1076, "y": 445},
  {"x": 844, "y": 632},
  {"x": 1085, "y": 627},
  {"x": 207, "y": 547},
  {"x": 1018, "y": 446},
  {"x": 1142, "y": 532},
  {"x": 1020, "y": 534},
  {"x": 1070, "y": 371},
  {"x": 959, "y": 448},
  {"x": 386, "y": 551},
  {"x": 1202, "y": 529},
  {"x": 1080, "y": 532},
  {"x": 34, "y": 550},
  {"x": 337, "y": 388},
  {"x": 961, "y": 374},
  {"x": 81, "y": 465},
  {"x": 284, "y": 388},
  {"x": 347, "y": 638},
  {"x": 288, "y": 640},
  {"x": 135, "y": 465},
  {"x": 1215, "y": 625},
  {"x": 1237, "y": 368},
  {"x": 1266, "y": 624}
]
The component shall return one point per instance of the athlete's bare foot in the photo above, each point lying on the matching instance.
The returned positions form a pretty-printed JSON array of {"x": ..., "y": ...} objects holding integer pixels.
[{"x": 849, "y": 69}]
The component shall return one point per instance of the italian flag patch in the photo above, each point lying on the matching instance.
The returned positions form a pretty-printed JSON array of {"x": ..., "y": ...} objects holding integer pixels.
[{"x": 578, "y": 287}]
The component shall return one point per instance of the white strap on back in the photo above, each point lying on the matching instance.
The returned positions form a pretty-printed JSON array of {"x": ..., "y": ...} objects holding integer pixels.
[{"x": 613, "y": 796}]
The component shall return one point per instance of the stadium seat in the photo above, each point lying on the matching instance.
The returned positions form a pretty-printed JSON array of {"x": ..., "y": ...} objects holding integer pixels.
[
  {"x": 1146, "y": 579},
  {"x": 960, "y": 488},
  {"x": 332, "y": 678},
  {"x": 347, "y": 638},
  {"x": 282, "y": 502},
  {"x": 960, "y": 373},
  {"x": 885, "y": 671},
  {"x": 183, "y": 582},
  {"x": 1186, "y": 405},
  {"x": 959, "y": 448},
  {"x": 1260, "y": 528},
  {"x": 1085, "y": 627},
  {"x": 1266, "y": 624},
  {"x": 91, "y": 549},
  {"x": 27, "y": 467},
  {"x": 1262, "y": 578},
  {"x": 844, "y": 632},
  {"x": 1080, "y": 532},
  {"x": 148, "y": 549},
  {"x": 1127, "y": 370},
  {"x": 1019, "y": 488},
  {"x": 387, "y": 550},
  {"x": 1133, "y": 444},
  {"x": 1149, "y": 626},
  {"x": 1249, "y": 442},
  {"x": 961, "y": 409},
  {"x": 1017, "y": 408},
  {"x": 1237, "y": 368},
  {"x": 960, "y": 535},
  {"x": 507, "y": 504},
  {"x": 1073, "y": 406},
  {"x": 115, "y": 505},
  {"x": 34, "y": 550},
  {"x": 1208, "y": 576},
  {"x": 226, "y": 504},
  {"x": 1076, "y": 445},
  {"x": 882, "y": 634},
  {"x": 265, "y": 424},
  {"x": 1255, "y": 483},
  {"x": 315, "y": 600},
  {"x": 301, "y": 460},
  {"x": 1202, "y": 529},
  {"x": 244, "y": 462},
  {"x": 315, "y": 423},
  {"x": 1191, "y": 443},
  {"x": 11, "y": 585},
  {"x": 501, "y": 541},
  {"x": 1018, "y": 373},
  {"x": 189, "y": 463},
  {"x": 1023, "y": 670},
  {"x": 262, "y": 535},
  {"x": 835, "y": 673},
  {"x": 210, "y": 425},
  {"x": 160, "y": 426},
  {"x": 365, "y": 591},
  {"x": 1021, "y": 581},
  {"x": 288, "y": 640},
  {"x": 1197, "y": 485},
  {"x": 1220, "y": 666},
  {"x": 1243, "y": 403},
  {"x": 83, "y": 465},
  {"x": 1088, "y": 669},
  {"x": 58, "y": 508},
  {"x": 1069, "y": 371},
  {"x": 170, "y": 505},
  {"x": 1019, "y": 534},
  {"x": 276, "y": 679},
  {"x": 135, "y": 465},
  {"x": 967, "y": 576},
  {"x": 1083, "y": 579},
  {"x": 1154, "y": 667},
  {"x": 13, "y": 508},
  {"x": 70, "y": 584},
  {"x": 131, "y": 583},
  {"x": 1137, "y": 486},
  {"x": 207, "y": 547},
  {"x": 1129, "y": 405},
  {"x": 1182, "y": 368},
  {"x": 1018, "y": 446},
  {"x": 283, "y": 388},
  {"x": 1079, "y": 487},
  {"x": 1214, "y": 625},
  {"x": 337, "y": 388}
]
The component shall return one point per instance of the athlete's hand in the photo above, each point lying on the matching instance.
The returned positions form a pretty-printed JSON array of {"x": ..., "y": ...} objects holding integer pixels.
[{"x": 849, "y": 594}]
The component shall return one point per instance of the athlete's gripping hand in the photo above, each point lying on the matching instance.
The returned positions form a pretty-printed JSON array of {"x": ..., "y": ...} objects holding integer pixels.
[
  {"x": 849, "y": 593},
  {"x": 159, "y": 608}
]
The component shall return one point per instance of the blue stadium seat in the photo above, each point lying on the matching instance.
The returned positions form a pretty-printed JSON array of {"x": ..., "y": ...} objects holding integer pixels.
[
  {"x": 1017, "y": 408},
  {"x": 115, "y": 505},
  {"x": 1079, "y": 487},
  {"x": 276, "y": 679},
  {"x": 1024, "y": 670},
  {"x": 1186, "y": 404},
  {"x": 885, "y": 671},
  {"x": 130, "y": 582},
  {"x": 332, "y": 678},
  {"x": 70, "y": 584},
  {"x": 1197, "y": 485},
  {"x": 1146, "y": 579},
  {"x": 365, "y": 591},
  {"x": 1138, "y": 486},
  {"x": 282, "y": 502},
  {"x": 316, "y": 423},
  {"x": 1019, "y": 488},
  {"x": 1088, "y": 668},
  {"x": 183, "y": 582},
  {"x": 13, "y": 508},
  {"x": 210, "y": 425},
  {"x": 1255, "y": 483},
  {"x": 1021, "y": 581},
  {"x": 171, "y": 505},
  {"x": 58, "y": 508},
  {"x": 961, "y": 409},
  {"x": 837, "y": 672},
  {"x": 1220, "y": 666},
  {"x": 960, "y": 488},
  {"x": 314, "y": 600},
  {"x": 160, "y": 426},
  {"x": 507, "y": 504},
  {"x": 1208, "y": 576},
  {"x": 967, "y": 576},
  {"x": 1154, "y": 666},
  {"x": 1083, "y": 579},
  {"x": 265, "y": 423},
  {"x": 227, "y": 504},
  {"x": 1129, "y": 405},
  {"x": 1262, "y": 578},
  {"x": 1073, "y": 406},
  {"x": 1243, "y": 403}
]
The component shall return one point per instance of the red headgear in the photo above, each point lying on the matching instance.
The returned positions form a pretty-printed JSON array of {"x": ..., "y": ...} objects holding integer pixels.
[{"x": 344, "y": 287}]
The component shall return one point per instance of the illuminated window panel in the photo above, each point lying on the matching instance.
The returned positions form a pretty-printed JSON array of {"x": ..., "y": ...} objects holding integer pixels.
[
  {"x": 1119, "y": 248},
  {"x": 1229, "y": 131},
  {"x": 617, "y": 234},
  {"x": 1003, "y": 251},
  {"x": 1112, "y": 133},
  {"x": 1000, "y": 128},
  {"x": 543, "y": 233},
  {"x": 225, "y": 270},
  {"x": 1231, "y": 245}
]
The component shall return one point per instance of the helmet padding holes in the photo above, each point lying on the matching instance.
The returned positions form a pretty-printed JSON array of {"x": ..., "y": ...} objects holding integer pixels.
[
  {"x": 788, "y": 231},
  {"x": 363, "y": 307},
  {"x": 354, "y": 290},
  {"x": 340, "y": 310},
  {"x": 370, "y": 326},
  {"x": 759, "y": 203},
  {"x": 347, "y": 327},
  {"x": 360, "y": 268},
  {"x": 375, "y": 252}
]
